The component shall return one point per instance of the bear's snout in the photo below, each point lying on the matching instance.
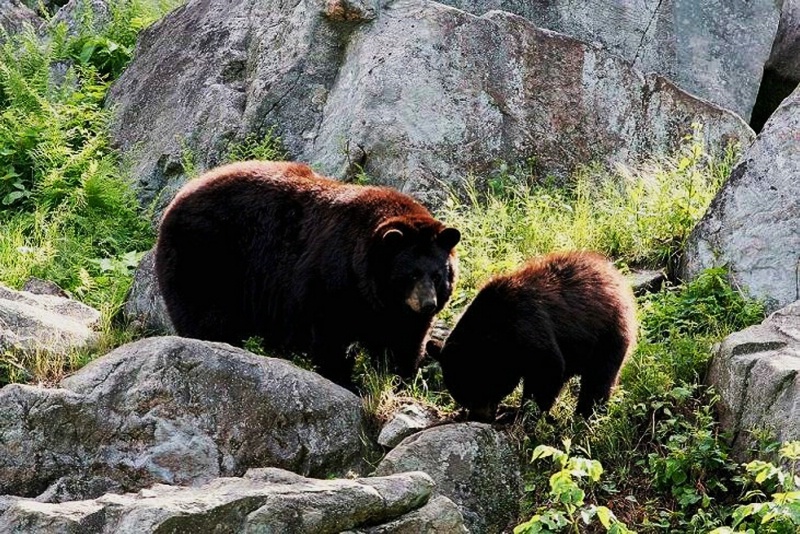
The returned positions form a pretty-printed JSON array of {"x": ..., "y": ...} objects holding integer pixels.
[{"x": 423, "y": 297}]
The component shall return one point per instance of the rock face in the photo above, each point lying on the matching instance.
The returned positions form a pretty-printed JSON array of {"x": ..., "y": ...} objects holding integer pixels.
[
  {"x": 714, "y": 49},
  {"x": 144, "y": 308},
  {"x": 32, "y": 323},
  {"x": 757, "y": 374},
  {"x": 264, "y": 500},
  {"x": 439, "y": 516},
  {"x": 753, "y": 224},
  {"x": 472, "y": 464},
  {"x": 16, "y": 16},
  {"x": 409, "y": 419},
  {"x": 785, "y": 56},
  {"x": 413, "y": 92},
  {"x": 175, "y": 411}
]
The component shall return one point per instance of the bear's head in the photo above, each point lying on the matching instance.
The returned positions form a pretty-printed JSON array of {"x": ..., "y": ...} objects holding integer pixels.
[
  {"x": 472, "y": 388},
  {"x": 414, "y": 264},
  {"x": 476, "y": 369}
]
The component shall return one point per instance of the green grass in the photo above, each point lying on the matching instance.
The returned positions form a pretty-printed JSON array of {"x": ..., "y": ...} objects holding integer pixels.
[
  {"x": 638, "y": 215},
  {"x": 67, "y": 213}
]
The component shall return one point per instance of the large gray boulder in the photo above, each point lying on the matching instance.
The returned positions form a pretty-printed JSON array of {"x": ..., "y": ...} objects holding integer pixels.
[
  {"x": 472, "y": 464},
  {"x": 417, "y": 94},
  {"x": 175, "y": 411},
  {"x": 753, "y": 224},
  {"x": 264, "y": 500},
  {"x": 15, "y": 17},
  {"x": 144, "y": 309},
  {"x": 757, "y": 375},
  {"x": 714, "y": 49},
  {"x": 33, "y": 324}
]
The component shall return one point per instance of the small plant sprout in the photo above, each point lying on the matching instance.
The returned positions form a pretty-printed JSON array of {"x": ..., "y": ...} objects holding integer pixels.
[
  {"x": 566, "y": 510},
  {"x": 777, "y": 506}
]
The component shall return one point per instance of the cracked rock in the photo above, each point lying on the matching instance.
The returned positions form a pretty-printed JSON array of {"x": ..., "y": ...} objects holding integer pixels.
[
  {"x": 757, "y": 375},
  {"x": 752, "y": 225},
  {"x": 264, "y": 500},
  {"x": 176, "y": 411},
  {"x": 715, "y": 49},
  {"x": 32, "y": 323},
  {"x": 418, "y": 98},
  {"x": 472, "y": 464}
]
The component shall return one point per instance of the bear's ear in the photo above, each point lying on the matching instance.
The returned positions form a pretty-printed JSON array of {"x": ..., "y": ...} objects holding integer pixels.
[
  {"x": 392, "y": 238},
  {"x": 448, "y": 238}
]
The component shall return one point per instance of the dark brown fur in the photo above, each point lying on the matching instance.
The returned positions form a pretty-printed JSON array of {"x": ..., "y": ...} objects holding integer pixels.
[
  {"x": 307, "y": 263},
  {"x": 561, "y": 315}
]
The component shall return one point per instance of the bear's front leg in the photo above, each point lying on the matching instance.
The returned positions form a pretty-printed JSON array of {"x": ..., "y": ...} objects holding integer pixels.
[
  {"x": 407, "y": 350},
  {"x": 329, "y": 355}
]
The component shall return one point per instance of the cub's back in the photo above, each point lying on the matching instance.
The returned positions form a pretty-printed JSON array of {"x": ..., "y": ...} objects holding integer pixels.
[{"x": 570, "y": 288}]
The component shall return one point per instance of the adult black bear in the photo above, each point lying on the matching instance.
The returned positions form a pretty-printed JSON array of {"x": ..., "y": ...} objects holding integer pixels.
[
  {"x": 561, "y": 315},
  {"x": 272, "y": 249}
]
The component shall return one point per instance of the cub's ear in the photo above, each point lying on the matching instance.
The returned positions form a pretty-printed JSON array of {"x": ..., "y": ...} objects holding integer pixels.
[
  {"x": 392, "y": 237},
  {"x": 448, "y": 238}
]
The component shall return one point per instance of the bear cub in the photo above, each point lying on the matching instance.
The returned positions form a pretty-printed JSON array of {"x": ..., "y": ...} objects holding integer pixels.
[
  {"x": 307, "y": 263},
  {"x": 561, "y": 315}
]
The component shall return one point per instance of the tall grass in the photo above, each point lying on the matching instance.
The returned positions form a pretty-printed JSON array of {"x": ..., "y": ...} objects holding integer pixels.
[
  {"x": 67, "y": 214},
  {"x": 638, "y": 215}
]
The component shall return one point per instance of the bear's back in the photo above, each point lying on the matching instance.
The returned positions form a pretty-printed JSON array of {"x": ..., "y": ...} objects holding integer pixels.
[
  {"x": 258, "y": 184},
  {"x": 575, "y": 290}
]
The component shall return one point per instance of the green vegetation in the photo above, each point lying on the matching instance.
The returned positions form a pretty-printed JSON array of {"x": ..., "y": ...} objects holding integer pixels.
[
  {"x": 67, "y": 210},
  {"x": 67, "y": 214},
  {"x": 639, "y": 216},
  {"x": 567, "y": 506},
  {"x": 776, "y": 506}
]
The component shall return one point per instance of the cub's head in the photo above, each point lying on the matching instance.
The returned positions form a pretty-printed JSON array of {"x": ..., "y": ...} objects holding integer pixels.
[{"x": 415, "y": 265}]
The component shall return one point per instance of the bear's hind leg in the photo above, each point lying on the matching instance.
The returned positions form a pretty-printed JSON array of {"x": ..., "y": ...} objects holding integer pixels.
[{"x": 600, "y": 375}]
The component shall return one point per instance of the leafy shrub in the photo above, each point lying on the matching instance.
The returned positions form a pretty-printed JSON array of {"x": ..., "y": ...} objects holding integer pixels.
[
  {"x": 690, "y": 463},
  {"x": 777, "y": 506},
  {"x": 67, "y": 212},
  {"x": 566, "y": 508}
]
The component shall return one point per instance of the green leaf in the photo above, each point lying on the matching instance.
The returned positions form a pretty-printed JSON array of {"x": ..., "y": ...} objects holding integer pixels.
[
  {"x": 791, "y": 450},
  {"x": 543, "y": 451},
  {"x": 13, "y": 197},
  {"x": 86, "y": 52},
  {"x": 605, "y": 516}
]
